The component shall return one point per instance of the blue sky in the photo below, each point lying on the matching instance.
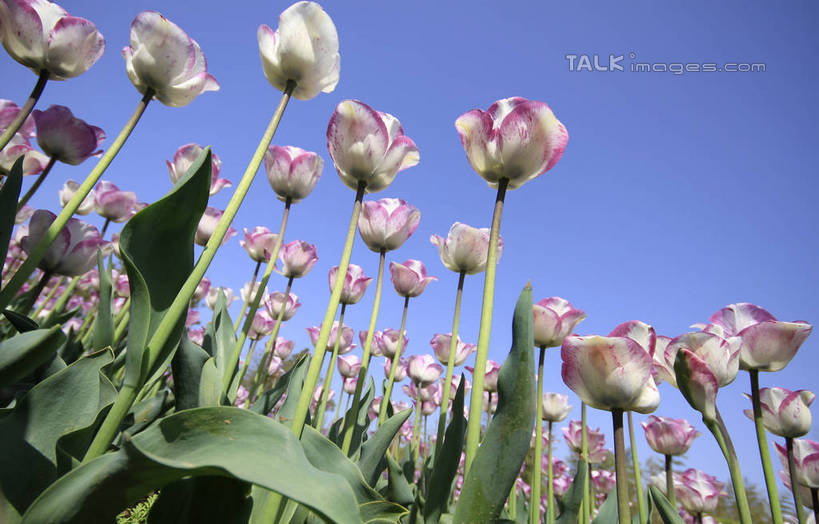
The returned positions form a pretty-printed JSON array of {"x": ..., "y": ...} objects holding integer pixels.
[{"x": 677, "y": 194}]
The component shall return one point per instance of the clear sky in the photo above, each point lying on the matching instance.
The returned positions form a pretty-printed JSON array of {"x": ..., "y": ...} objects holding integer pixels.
[{"x": 677, "y": 193}]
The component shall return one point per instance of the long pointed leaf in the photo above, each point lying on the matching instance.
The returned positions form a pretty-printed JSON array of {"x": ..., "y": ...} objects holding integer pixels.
[
  {"x": 104, "y": 322},
  {"x": 371, "y": 462},
  {"x": 9, "y": 194},
  {"x": 21, "y": 354},
  {"x": 667, "y": 512}
]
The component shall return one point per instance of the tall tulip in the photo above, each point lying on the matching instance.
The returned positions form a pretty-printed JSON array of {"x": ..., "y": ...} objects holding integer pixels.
[
  {"x": 355, "y": 283},
  {"x": 669, "y": 437},
  {"x": 386, "y": 224},
  {"x": 292, "y": 171},
  {"x": 185, "y": 156},
  {"x": 298, "y": 258}
]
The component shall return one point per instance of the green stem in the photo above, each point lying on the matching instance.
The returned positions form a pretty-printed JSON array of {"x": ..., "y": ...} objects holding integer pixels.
[
  {"x": 550, "y": 493},
  {"x": 473, "y": 430},
  {"x": 535, "y": 481},
  {"x": 247, "y": 359},
  {"x": 348, "y": 425},
  {"x": 415, "y": 426},
  {"x": 638, "y": 483},
  {"x": 121, "y": 327},
  {"x": 70, "y": 208},
  {"x": 670, "y": 492},
  {"x": 17, "y": 123},
  {"x": 123, "y": 311},
  {"x": 37, "y": 183},
  {"x": 110, "y": 426},
  {"x": 38, "y": 289},
  {"x": 267, "y": 357},
  {"x": 450, "y": 363},
  {"x": 584, "y": 455},
  {"x": 623, "y": 511},
  {"x": 764, "y": 452},
  {"x": 382, "y": 413},
  {"x": 85, "y": 323},
  {"x": 325, "y": 389},
  {"x": 338, "y": 404},
  {"x": 800, "y": 511},
  {"x": 513, "y": 502},
  {"x": 245, "y": 301},
  {"x": 733, "y": 466},
  {"x": 48, "y": 297}
]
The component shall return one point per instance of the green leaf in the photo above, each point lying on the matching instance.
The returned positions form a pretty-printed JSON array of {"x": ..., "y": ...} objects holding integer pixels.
[
  {"x": 667, "y": 512},
  {"x": 66, "y": 402},
  {"x": 506, "y": 443},
  {"x": 21, "y": 354},
  {"x": 219, "y": 340},
  {"x": 210, "y": 385},
  {"x": 381, "y": 511},
  {"x": 447, "y": 460},
  {"x": 203, "y": 500},
  {"x": 20, "y": 322},
  {"x": 267, "y": 400},
  {"x": 217, "y": 441},
  {"x": 573, "y": 498},
  {"x": 187, "y": 366},
  {"x": 371, "y": 462},
  {"x": 362, "y": 422},
  {"x": 9, "y": 194},
  {"x": 146, "y": 412},
  {"x": 398, "y": 488},
  {"x": 607, "y": 514},
  {"x": 157, "y": 251},
  {"x": 294, "y": 387},
  {"x": 104, "y": 322}
]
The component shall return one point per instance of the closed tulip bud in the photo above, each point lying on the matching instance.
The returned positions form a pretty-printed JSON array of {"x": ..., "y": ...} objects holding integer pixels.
[
  {"x": 66, "y": 138},
  {"x": 441, "y": 343},
  {"x": 699, "y": 492},
  {"x": 9, "y": 111},
  {"x": 554, "y": 319},
  {"x": 274, "y": 369},
  {"x": 163, "y": 59},
  {"x": 184, "y": 158},
  {"x": 261, "y": 326},
  {"x": 516, "y": 139},
  {"x": 297, "y": 258},
  {"x": 401, "y": 369},
  {"x": 349, "y": 385},
  {"x": 784, "y": 412},
  {"x": 555, "y": 407},
  {"x": 283, "y": 347},
  {"x": 67, "y": 193},
  {"x": 72, "y": 253},
  {"x": 386, "y": 224},
  {"x": 259, "y": 243},
  {"x": 42, "y": 35},
  {"x": 33, "y": 161},
  {"x": 423, "y": 369},
  {"x": 317, "y": 394},
  {"x": 249, "y": 291},
  {"x": 348, "y": 366},
  {"x": 697, "y": 382},
  {"x": 721, "y": 356},
  {"x": 201, "y": 289},
  {"x": 277, "y": 302},
  {"x": 465, "y": 248},
  {"x": 368, "y": 146},
  {"x": 410, "y": 277},
  {"x": 387, "y": 342},
  {"x": 113, "y": 204},
  {"x": 207, "y": 225},
  {"x": 355, "y": 283},
  {"x": 292, "y": 171},
  {"x": 213, "y": 295},
  {"x": 669, "y": 436},
  {"x": 345, "y": 343}
]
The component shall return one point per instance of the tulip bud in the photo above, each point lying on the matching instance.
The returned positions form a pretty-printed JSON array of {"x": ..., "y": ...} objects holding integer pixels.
[
  {"x": 207, "y": 225},
  {"x": 297, "y": 258},
  {"x": 554, "y": 319},
  {"x": 409, "y": 278},
  {"x": 423, "y": 369},
  {"x": 387, "y": 342},
  {"x": 201, "y": 289},
  {"x": 465, "y": 248},
  {"x": 669, "y": 436},
  {"x": 595, "y": 441},
  {"x": 113, "y": 204},
  {"x": 67, "y": 193},
  {"x": 8, "y": 112},
  {"x": 184, "y": 158},
  {"x": 386, "y": 224},
  {"x": 276, "y": 302},
  {"x": 259, "y": 243},
  {"x": 355, "y": 283},
  {"x": 441, "y": 344},
  {"x": 283, "y": 347},
  {"x": 345, "y": 344},
  {"x": 784, "y": 412},
  {"x": 806, "y": 459},
  {"x": 555, "y": 407},
  {"x": 66, "y": 138},
  {"x": 261, "y": 326},
  {"x": 348, "y": 366},
  {"x": 292, "y": 171},
  {"x": 401, "y": 369},
  {"x": 33, "y": 161},
  {"x": 213, "y": 295}
]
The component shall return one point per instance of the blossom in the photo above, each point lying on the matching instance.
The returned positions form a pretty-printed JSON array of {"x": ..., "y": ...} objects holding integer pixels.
[
  {"x": 348, "y": 366},
  {"x": 66, "y": 193},
  {"x": 355, "y": 283},
  {"x": 72, "y": 253},
  {"x": 516, "y": 139},
  {"x": 784, "y": 412},
  {"x": 669, "y": 436},
  {"x": 401, "y": 369},
  {"x": 409, "y": 277},
  {"x": 33, "y": 161},
  {"x": 277, "y": 305},
  {"x": 259, "y": 243},
  {"x": 298, "y": 258},
  {"x": 554, "y": 318},
  {"x": 441, "y": 343},
  {"x": 699, "y": 492},
  {"x": 384, "y": 225},
  {"x": 249, "y": 291},
  {"x": 368, "y": 146},
  {"x": 303, "y": 49},
  {"x": 9, "y": 111},
  {"x": 207, "y": 225},
  {"x": 183, "y": 159},
  {"x": 595, "y": 441},
  {"x": 345, "y": 343},
  {"x": 261, "y": 326},
  {"x": 283, "y": 347},
  {"x": 113, "y": 204},
  {"x": 202, "y": 289},
  {"x": 555, "y": 407},
  {"x": 423, "y": 369},
  {"x": 292, "y": 171},
  {"x": 639, "y": 332},
  {"x": 41, "y": 35},
  {"x": 386, "y": 342},
  {"x": 806, "y": 460},
  {"x": 490, "y": 382},
  {"x": 164, "y": 60},
  {"x": 213, "y": 294},
  {"x": 66, "y": 138},
  {"x": 465, "y": 248}
]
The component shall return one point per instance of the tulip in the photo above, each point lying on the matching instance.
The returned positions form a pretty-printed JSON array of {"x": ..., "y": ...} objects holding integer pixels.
[
  {"x": 23, "y": 214},
  {"x": 274, "y": 369},
  {"x": 345, "y": 343},
  {"x": 304, "y": 50},
  {"x": 261, "y": 327},
  {"x": 387, "y": 342},
  {"x": 465, "y": 248},
  {"x": 213, "y": 295},
  {"x": 401, "y": 369},
  {"x": 800, "y": 458},
  {"x": 441, "y": 344},
  {"x": 197, "y": 336},
  {"x": 386, "y": 224},
  {"x": 207, "y": 226},
  {"x": 555, "y": 407},
  {"x": 121, "y": 286},
  {"x": 348, "y": 366},
  {"x": 34, "y": 162},
  {"x": 639, "y": 332},
  {"x": 669, "y": 436},
  {"x": 183, "y": 159},
  {"x": 785, "y": 413},
  {"x": 73, "y": 253},
  {"x": 8, "y": 112},
  {"x": 113, "y": 204},
  {"x": 283, "y": 347},
  {"x": 596, "y": 441},
  {"x": 66, "y": 138},
  {"x": 491, "y": 378},
  {"x": 297, "y": 258},
  {"x": 603, "y": 480},
  {"x": 274, "y": 303},
  {"x": 292, "y": 171},
  {"x": 554, "y": 319},
  {"x": 249, "y": 290},
  {"x": 424, "y": 394},
  {"x": 201, "y": 289},
  {"x": 368, "y": 146},
  {"x": 164, "y": 61},
  {"x": 423, "y": 369},
  {"x": 410, "y": 277},
  {"x": 699, "y": 492},
  {"x": 67, "y": 193},
  {"x": 259, "y": 243},
  {"x": 355, "y": 283},
  {"x": 720, "y": 355},
  {"x": 663, "y": 370}
]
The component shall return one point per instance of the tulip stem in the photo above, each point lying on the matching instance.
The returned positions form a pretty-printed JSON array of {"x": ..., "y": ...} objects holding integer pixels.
[
  {"x": 534, "y": 482},
  {"x": 623, "y": 512},
  {"x": 59, "y": 305},
  {"x": 738, "y": 484},
  {"x": 800, "y": 511},
  {"x": 550, "y": 493},
  {"x": 48, "y": 297},
  {"x": 764, "y": 452},
  {"x": 382, "y": 413},
  {"x": 325, "y": 389},
  {"x": 267, "y": 356},
  {"x": 37, "y": 183},
  {"x": 638, "y": 483},
  {"x": 247, "y": 359},
  {"x": 513, "y": 502},
  {"x": 26, "y": 306},
  {"x": 584, "y": 455},
  {"x": 670, "y": 492},
  {"x": 416, "y": 426},
  {"x": 245, "y": 301},
  {"x": 121, "y": 327},
  {"x": 34, "y": 258},
  {"x": 450, "y": 363},
  {"x": 18, "y": 121},
  {"x": 110, "y": 426},
  {"x": 365, "y": 357},
  {"x": 473, "y": 430}
]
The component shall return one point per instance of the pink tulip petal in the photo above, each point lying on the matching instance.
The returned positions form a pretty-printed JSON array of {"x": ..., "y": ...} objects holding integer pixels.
[
  {"x": 74, "y": 45},
  {"x": 770, "y": 345}
]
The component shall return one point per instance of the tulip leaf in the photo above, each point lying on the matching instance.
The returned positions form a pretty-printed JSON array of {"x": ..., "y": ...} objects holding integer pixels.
[
  {"x": 667, "y": 512},
  {"x": 71, "y": 400},
  {"x": 157, "y": 251},
  {"x": 104, "y": 322},
  {"x": 22, "y": 354},
  {"x": 362, "y": 421},
  {"x": 371, "y": 462},
  {"x": 186, "y": 367},
  {"x": 573, "y": 498},
  {"x": 20, "y": 322},
  {"x": 447, "y": 459},
  {"x": 381, "y": 511},
  {"x": 267, "y": 400},
  {"x": 9, "y": 194},
  {"x": 220, "y": 338},
  {"x": 210, "y": 385},
  {"x": 607, "y": 514},
  {"x": 506, "y": 443},
  {"x": 203, "y": 500},
  {"x": 294, "y": 387},
  {"x": 398, "y": 487},
  {"x": 146, "y": 412},
  {"x": 215, "y": 441}
]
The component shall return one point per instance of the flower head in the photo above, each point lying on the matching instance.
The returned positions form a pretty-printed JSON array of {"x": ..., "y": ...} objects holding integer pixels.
[
  {"x": 410, "y": 277},
  {"x": 66, "y": 138},
  {"x": 66, "y": 193},
  {"x": 213, "y": 294},
  {"x": 555, "y": 407},
  {"x": 292, "y": 171},
  {"x": 423, "y": 369},
  {"x": 465, "y": 248},
  {"x": 277, "y": 304},
  {"x": 554, "y": 318},
  {"x": 441, "y": 343},
  {"x": 784, "y": 412},
  {"x": 669, "y": 436},
  {"x": 72, "y": 253},
  {"x": 386, "y": 224},
  {"x": 259, "y": 243},
  {"x": 386, "y": 342},
  {"x": 183, "y": 159},
  {"x": 355, "y": 283},
  {"x": 298, "y": 258},
  {"x": 113, "y": 204}
]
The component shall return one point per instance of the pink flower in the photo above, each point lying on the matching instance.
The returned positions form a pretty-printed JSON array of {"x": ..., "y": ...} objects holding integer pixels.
[
  {"x": 386, "y": 224},
  {"x": 806, "y": 460},
  {"x": 274, "y": 369},
  {"x": 66, "y": 138},
  {"x": 387, "y": 342},
  {"x": 663, "y": 370},
  {"x": 292, "y": 171},
  {"x": 699, "y": 492},
  {"x": 259, "y": 243},
  {"x": 490, "y": 404},
  {"x": 554, "y": 319},
  {"x": 465, "y": 248},
  {"x": 409, "y": 277},
  {"x": 72, "y": 253},
  {"x": 603, "y": 480},
  {"x": 262, "y": 325},
  {"x": 401, "y": 369},
  {"x": 201, "y": 289},
  {"x": 348, "y": 385},
  {"x": 163, "y": 59},
  {"x": 283, "y": 347},
  {"x": 355, "y": 283},
  {"x": 426, "y": 393},
  {"x": 183, "y": 159},
  {"x": 67, "y": 193},
  {"x": 669, "y": 436},
  {"x": 113, "y": 204},
  {"x": 368, "y": 146},
  {"x": 423, "y": 369},
  {"x": 23, "y": 214},
  {"x": 784, "y": 412},
  {"x": 491, "y": 381},
  {"x": 42, "y": 35},
  {"x": 555, "y": 407},
  {"x": 348, "y": 366},
  {"x": 455, "y": 384},
  {"x": 213, "y": 295},
  {"x": 207, "y": 225},
  {"x": 191, "y": 318},
  {"x": 250, "y": 290},
  {"x": 595, "y": 441},
  {"x": 639, "y": 332},
  {"x": 297, "y": 258},
  {"x": 441, "y": 343},
  {"x": 9, "y": 111},
  {"x": 121, "y": 286},
  {"x": 516, "y": 139},
  {"x": 33, "y": 161},
  {"x": 197, "y": 336},
  {"x": 275, "y": 302},
  {"x": 345, "y": 343}
]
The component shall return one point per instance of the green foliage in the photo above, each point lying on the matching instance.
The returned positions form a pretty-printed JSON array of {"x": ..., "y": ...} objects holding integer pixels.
[
  {"x": 9, "y": 194},
  {"x": 104, "y": 322},
  {"x": 571, "y": 500},
  {"x": 21, "y": 354}
]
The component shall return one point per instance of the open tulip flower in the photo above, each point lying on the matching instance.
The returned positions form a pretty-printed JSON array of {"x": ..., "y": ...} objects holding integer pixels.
[
  {"x": 262, "y": 325},
  {"x": 65, "y": 137},
  {"x": 355, "y": 284},
  {"x": 23, "y": 214},
  {"x": 67, "y": 193},
  {"x": 669, "y": 436},
  {"x": 185, "y": 156},
  {"x": 201, "y": 289},
  {"x": 806, "y": 461},
  {"x": 348, "y": 366},
  {"x": 297, "y": 258},
  {"x": 465, "y": 248},
  {"x": 387, "y": 342},
  {"x": 516, "y": 139},
  {"x": 441, "y": 343},
  {"x": 163, "y": 60},
  {"x": 386, "y": 224},
  {"x": 639, "y": 332},
  {"x": 699, "y": 492},
  {"x": 33, "y": 162},
  {"x": 292, "y": 171},
  {"x": 73, "y": 253},
  {"x": 554, "y": 318},
  {"x": 424, "y": 370},
  {"x": 785, "y": 413},
  {"x": 213, "y": 295},
  {"x": 113, "y": 204},
  {"x": 410, "y": 277},
  {"x": 368, "y": 146},
  {"x": 274, "y": 303},
  {"x": 207, "y": 225},
  {"x": 596, "y": 441},
  {"x": 555, "y": 407}
]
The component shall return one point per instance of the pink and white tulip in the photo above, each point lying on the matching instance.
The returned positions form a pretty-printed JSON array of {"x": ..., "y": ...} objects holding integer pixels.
[
  {"x": 345, "y": 343},
  {"x": 213, "y": 294},
  {"x": 33, "y": 161},
  {"x": 554, "y": 318},
  {"x": 277, "y": 304},
  {"x": 292, "y": 171},
  {"x": 355, "y": 283},
  {"x": 699, "y": 492},
  {"x": 202, "y": 289},
  {"x": 595, "y": 441},
  {"x": 348, "y": 366},
  {"x": 259, "y": 243},
  {"x": 401, "y": 369},
  {"x": 410, "y": 277},
  {"x": 806, "y": 460},
  {"x": 441, "y": 343},
  {"x": 66, "y": 193},
  {"x": 9, "y": 111},
  {"x": 183, "y": 159},
  {"x": 784, "y": 412},
  {"x": 387, "y": 342},
  {"x": 669, "y": 436},
  {"x": 113, "y": 204},
  {"x": 297, "y": 258},
  {"x": 72, "y": 253},
  {"x": 386, "y": 224},
  {"x": 639, "y": 332},
  {"x": 423, "y": 369},
  {"x": 490, "y": 382},
  {"x": 465, "y": 248},
  {"x": 283, "y": 347},
  {"x": 207, "y": 226},
  {"x": 261, "y": 326},
  {"x": 721, "y": 355},
  {"x": 66, "y": 138},
  {"x": 555, "y": 407},
  {"x": 249, "y": 291}
]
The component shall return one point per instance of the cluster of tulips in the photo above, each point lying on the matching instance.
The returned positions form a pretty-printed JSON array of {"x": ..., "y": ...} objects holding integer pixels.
[{"x": 113, "y": 387}]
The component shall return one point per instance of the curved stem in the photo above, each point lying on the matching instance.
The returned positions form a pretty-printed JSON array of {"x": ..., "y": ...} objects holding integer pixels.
[
  {"x": 733, "y": 466},
  {"x": 584, "y": 455},
  {"x": 638, "y": 483},
  {"x": 267, "y": 357},
  {"x": 535, "y": 481},
  {"x": 800, "y": 511},
  {"x": 247, "y": 359},
  {"x": 37, "y": 183},
  {"x": 473, "y": 429},
  {"x": 450, "y": 364},
  {"x": 382, "y": 413},
  {"x": 247, "y": 297},
  {"x": 338, "y": 404},
  {"x": 34, "y": 258},
  {"x": 550, "y": 491},
  {"x": 623, "y": 511},
  {"x": 48, "y": 297},
  {"x": 121, "y": 327},
  {"x": 325, "y": 389},
  {"x": 670, "y": 491},
  {"x": 110, "y": 426},
  {"x": 17, "y": 123},
  {"x": 764, "y": 452},
  {"x": 416, "y": 426}
]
